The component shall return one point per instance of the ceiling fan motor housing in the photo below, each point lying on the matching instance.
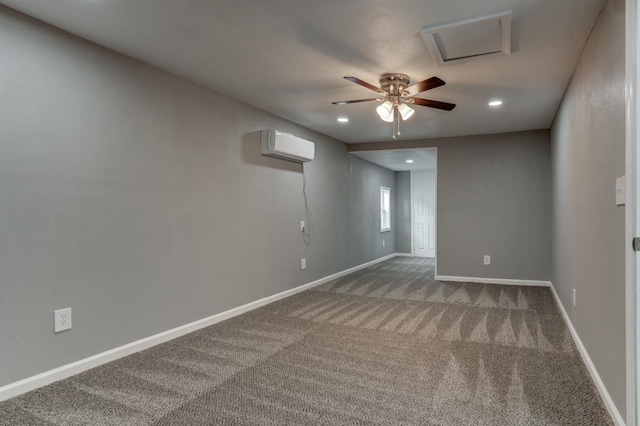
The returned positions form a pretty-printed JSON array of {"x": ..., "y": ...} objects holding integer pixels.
[{"x": 394, "y": 83}]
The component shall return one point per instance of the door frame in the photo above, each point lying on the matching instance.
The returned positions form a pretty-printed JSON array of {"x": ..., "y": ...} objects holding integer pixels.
[
  {"x": 632, "y": 211},
  {"x": 413, "y": 250}
]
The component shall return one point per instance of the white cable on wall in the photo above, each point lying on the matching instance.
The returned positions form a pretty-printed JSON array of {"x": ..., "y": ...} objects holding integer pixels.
[{"x": 308, "y": 228}]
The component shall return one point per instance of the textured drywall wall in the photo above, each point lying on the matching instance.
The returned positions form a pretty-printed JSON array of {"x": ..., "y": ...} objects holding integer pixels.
[
  {"x": 142, "y": 201},
  {"x": 403, "y": 212},
  {"x": 494, "y": 197},
  {"x": 588, "y": 149},
  {"x": 365, "y": 238}
]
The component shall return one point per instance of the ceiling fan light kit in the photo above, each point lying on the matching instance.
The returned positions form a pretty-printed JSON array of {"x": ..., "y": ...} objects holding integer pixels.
[
  {"x": 397, "y": 92},
  {"x": 389, "y": 118},
  {"x": 405, "y": 111},
  {"x": 385, "y": 110}
]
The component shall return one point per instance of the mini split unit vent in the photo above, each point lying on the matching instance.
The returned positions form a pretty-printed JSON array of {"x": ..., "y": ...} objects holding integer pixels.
[{"x": 286, "y": 146}]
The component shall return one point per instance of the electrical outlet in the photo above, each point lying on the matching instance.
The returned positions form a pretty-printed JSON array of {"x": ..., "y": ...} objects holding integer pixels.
[
  {"x": 303, "y": 263},
  {"x": 383, "y": 243},
  {"x": 302, "y": 225},
  {"x": 487, "y": 259},
  {"x": 574, "y": 297},
  {"x": 61, "y": 320}
]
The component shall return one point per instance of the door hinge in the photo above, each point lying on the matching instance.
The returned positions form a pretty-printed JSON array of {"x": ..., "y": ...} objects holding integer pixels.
[{"x": 636, "y": 244}]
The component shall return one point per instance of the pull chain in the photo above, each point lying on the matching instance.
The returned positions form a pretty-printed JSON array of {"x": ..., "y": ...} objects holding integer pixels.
[{"x": 393, "y": 123}]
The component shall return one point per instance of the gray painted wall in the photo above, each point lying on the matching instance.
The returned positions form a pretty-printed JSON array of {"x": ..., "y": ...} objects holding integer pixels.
[
  {"x": 141, "y": 201},
  {"x": 494, "y": 197},
  {"x": 588, "y": 151},
  {"x": 403, "y": 212},
  {"x": 365, "y": 238}
]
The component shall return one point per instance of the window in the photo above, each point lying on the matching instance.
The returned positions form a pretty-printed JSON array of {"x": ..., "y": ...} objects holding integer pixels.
[{"x": 385, "y": 209}]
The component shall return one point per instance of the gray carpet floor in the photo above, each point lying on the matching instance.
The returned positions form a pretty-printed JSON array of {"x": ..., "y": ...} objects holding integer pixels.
[{"x": 386, "y": 345}]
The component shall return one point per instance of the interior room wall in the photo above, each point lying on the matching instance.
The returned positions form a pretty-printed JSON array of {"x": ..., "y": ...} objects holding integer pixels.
[
  {"x": 494, "y": 198},
  {"x": 142, "y": 202},
  {"x": 588, "y": 152},
  {"x": 365, "y": 238},
  {"x": 403, "y": 212}
]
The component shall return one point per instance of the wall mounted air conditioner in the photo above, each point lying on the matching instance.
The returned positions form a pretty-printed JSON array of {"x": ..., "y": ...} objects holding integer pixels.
[{"x": 286, "y": 146}]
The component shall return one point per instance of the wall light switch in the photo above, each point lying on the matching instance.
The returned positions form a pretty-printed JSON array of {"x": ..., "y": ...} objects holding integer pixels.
[
  {"x": 487, "y": 259},
  {"x": 303, "y": 263},
  {"x": 620, "y": 191},
  {"x": 302, "y": 225}
]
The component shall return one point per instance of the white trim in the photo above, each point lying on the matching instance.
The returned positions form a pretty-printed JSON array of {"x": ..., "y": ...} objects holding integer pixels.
[
  {"x": 413, "y": 250},
  {"x": 632, "y": 212},
  {"x": 355, "y": 151},
  {"x": 435, "y": 263},
  {"x": 403, "y": 254},
  {"x": 503, "y": 281},
  {"x": 68, "y": 370},
  {"x": 608, "y": 402}
]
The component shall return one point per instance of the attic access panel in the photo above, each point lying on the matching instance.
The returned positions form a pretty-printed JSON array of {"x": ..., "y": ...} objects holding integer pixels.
[{"x": 469, "y": 40}]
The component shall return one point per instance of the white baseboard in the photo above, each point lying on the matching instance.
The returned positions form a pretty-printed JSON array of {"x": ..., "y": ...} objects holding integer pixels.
[
  {"x": 493, "y": 281},
  {"x": 68, "y": 370},
  {"x": 608, "y": 402},
  {"x": 403, "y": 255}
]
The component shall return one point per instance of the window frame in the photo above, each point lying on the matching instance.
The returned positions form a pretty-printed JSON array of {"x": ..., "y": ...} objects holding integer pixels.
[{"x": 385, "y": 190}]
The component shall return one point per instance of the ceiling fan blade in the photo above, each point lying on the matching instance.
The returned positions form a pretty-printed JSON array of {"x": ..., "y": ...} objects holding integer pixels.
[
  {"x": 428, "y": 84},
  {"x": 433, "y": 104},
  {"x": 355, "y": 101},
  {"x": 356, "y": 80}
]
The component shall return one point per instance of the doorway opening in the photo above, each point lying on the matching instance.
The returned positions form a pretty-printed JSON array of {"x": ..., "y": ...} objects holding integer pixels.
[{"x": 415, "y": 199}]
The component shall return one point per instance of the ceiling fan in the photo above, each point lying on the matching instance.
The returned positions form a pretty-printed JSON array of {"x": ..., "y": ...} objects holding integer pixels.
[{"x": 397, "y": 93}]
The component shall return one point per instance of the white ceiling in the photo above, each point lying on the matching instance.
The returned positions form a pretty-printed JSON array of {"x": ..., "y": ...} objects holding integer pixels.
[
  {"x": 423, "y": 159},
  {"x": 288, "y": 57}
]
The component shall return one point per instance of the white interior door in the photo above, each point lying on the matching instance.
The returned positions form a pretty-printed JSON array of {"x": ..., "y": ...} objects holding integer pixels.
[{"x": 423, "y": 188}]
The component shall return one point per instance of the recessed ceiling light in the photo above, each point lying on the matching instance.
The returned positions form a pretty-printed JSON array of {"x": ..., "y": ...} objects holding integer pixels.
[
  {"x": 495, "y": 103},
  {"x": 343, "y": 119},
  {"x": 409, "y": 161}
]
